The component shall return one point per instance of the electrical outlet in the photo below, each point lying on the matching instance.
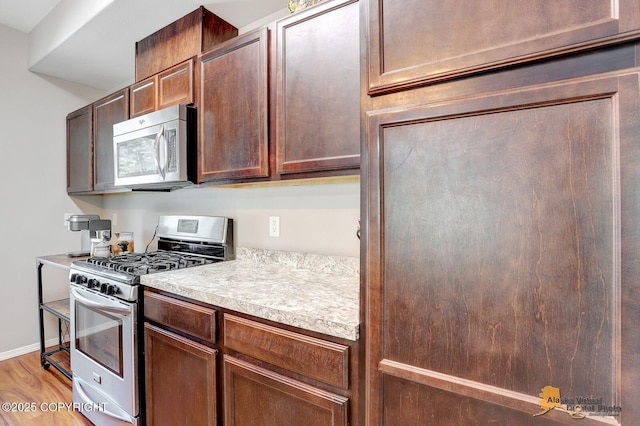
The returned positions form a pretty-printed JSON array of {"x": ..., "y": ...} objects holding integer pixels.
[{"x": 274, "y": 226}]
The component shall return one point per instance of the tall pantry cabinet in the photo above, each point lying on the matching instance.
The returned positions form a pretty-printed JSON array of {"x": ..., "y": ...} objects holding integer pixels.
[{"x": 500, "y": 175}]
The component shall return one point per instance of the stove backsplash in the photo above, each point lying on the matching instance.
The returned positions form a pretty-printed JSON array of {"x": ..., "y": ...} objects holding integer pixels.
[{"x": 320, "y": 219}]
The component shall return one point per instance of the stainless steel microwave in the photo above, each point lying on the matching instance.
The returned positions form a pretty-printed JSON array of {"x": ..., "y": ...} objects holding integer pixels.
[{"x": 156, "y": 150}]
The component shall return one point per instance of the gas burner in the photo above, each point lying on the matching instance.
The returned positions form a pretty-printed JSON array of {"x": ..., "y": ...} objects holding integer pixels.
[{"x": 147, "y": 263}]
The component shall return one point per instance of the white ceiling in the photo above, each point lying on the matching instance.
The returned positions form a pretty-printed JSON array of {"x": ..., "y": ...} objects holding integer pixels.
[
  {"x": 24, "y": 15},
  {"x": 96, "y": 47}
]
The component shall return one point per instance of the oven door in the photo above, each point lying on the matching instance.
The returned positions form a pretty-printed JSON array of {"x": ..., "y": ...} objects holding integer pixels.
[{"x": 103, "y": 356}]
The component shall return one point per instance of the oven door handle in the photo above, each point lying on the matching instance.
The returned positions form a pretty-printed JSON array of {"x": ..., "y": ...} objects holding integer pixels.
[
  {"x": 87, "y": 400},
  {"x": 103, "y": 307}
]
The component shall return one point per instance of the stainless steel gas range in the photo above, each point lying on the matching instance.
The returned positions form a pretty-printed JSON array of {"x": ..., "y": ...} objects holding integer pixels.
[{"x": 106, "y": 314}]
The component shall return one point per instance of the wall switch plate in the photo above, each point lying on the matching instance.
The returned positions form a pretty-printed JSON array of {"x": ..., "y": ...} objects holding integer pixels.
[{"x": 274, "y": 226}]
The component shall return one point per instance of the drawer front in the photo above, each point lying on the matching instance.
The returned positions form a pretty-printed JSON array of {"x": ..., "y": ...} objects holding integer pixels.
[
  {"x": 256, "y": 396},
  {"x": 311, "y": 357},
  {"x": 192, "y": 319}
]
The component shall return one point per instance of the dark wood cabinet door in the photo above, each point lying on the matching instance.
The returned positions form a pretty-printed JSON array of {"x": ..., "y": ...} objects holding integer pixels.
[
  {"x": 233, "y": 109},
  {"x": 255, "y": 396},
  {"x": 107, "y": 112},
  {"x": 318, "y": 89},
  {"x": 171, "y": 87},
  {"x": 143, "y": 97},
  {"x": 180, "y": 380},
  {"x": 501, "y": 256},
  {"x": 418, "y": 42},
  {"x": 80, "y": 150},
  {"x": 175, "y": 85}
]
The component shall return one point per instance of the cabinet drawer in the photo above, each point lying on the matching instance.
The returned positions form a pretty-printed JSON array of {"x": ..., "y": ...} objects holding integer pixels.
[
  {"x": 192, "y": 319},
  {"x": 256, "y": 396},
  {"x": 314, "y": 358}
]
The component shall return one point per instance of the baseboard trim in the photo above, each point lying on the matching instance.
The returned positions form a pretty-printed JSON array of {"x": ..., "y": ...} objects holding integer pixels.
[{"x": 27, "y": 349}]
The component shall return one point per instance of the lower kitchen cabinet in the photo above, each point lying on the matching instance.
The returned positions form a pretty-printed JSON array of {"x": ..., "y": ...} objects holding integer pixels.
[
  {"x": 180, "y": 379},
  {"x": 267, "y": 374},
  {"x": 180, "y": 369},
  {"x": 279, "y": 377},
  {"x": 256, "y": 396}
]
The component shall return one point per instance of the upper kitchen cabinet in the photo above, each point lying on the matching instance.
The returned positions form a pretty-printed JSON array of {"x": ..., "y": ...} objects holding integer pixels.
[
  {"x": 179, "y": 41},
  {"x": 107, "y": 112},
  {"x": 317, "y": 93},
  {"x": 233, "y": 109},
  {"x": 170, "y": 87},
  {"x": 80, "y": 151},
  {"x": 419, "y": 42}
]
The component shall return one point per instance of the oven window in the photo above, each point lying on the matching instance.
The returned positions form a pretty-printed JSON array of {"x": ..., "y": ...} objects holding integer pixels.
[{"x": 99, "y": 336}]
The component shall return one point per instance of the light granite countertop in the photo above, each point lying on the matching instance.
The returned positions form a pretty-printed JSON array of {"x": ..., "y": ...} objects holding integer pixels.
[{"x": 313, "y": 292}]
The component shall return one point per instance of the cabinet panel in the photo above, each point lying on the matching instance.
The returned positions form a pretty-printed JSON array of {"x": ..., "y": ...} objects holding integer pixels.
[
  {"x": 502, "y": 233},
  {"x": 184, "y": 38},
  {"x": 171, "y": 87},
  {"x": 80, "y": 150},
  {"x": 318, "y": 89},
  {"x": 254, "y": 396},
  {"x": 143, "y": 97},
  {"x": 107, "y": 112},
  {"x": 180, "y": 380},
  {"x": 319, "y": 359},
  {"x": 175, "y": 85},
  {"x": 233, "y": 109},
  {"x": 196, "y": 320},
  {"x": 423, "y": 42}
]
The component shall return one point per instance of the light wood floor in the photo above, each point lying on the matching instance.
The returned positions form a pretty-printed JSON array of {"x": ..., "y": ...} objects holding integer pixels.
[{"x": 24, "y": 381}]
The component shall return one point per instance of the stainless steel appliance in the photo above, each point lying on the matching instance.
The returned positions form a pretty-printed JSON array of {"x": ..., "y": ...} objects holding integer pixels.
[
  {"x": 106, "y": 314},
  {"x": 91, "y": 227},
  {"x": 156, "y": 150}
]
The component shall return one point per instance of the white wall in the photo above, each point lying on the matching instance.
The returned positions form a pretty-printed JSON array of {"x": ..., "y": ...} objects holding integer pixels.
[
  {"x": 33, "y": 179},
  {"x": 313, "y": 218}
]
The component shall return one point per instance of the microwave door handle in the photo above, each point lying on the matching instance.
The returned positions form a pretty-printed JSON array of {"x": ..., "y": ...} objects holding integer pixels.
[
  {"x": 165, "y": 149},
  {"x": 156, "y": 146}
]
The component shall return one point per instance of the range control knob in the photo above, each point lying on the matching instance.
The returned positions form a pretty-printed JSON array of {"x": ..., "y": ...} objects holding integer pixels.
[
  {"x": 81, "y": 279},
  {"x": 72, "y": 278},
  {"x": 92, "y": 283},
  {"x": 112, "y": 289},
  {"x": 103, "y": 288}
]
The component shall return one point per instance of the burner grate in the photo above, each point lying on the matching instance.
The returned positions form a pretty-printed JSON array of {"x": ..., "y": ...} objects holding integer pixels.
[{"x": 147, "y": 263}]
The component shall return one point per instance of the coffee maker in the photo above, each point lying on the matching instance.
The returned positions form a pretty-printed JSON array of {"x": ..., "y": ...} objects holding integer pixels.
[{"x": 92, "y": 227}]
